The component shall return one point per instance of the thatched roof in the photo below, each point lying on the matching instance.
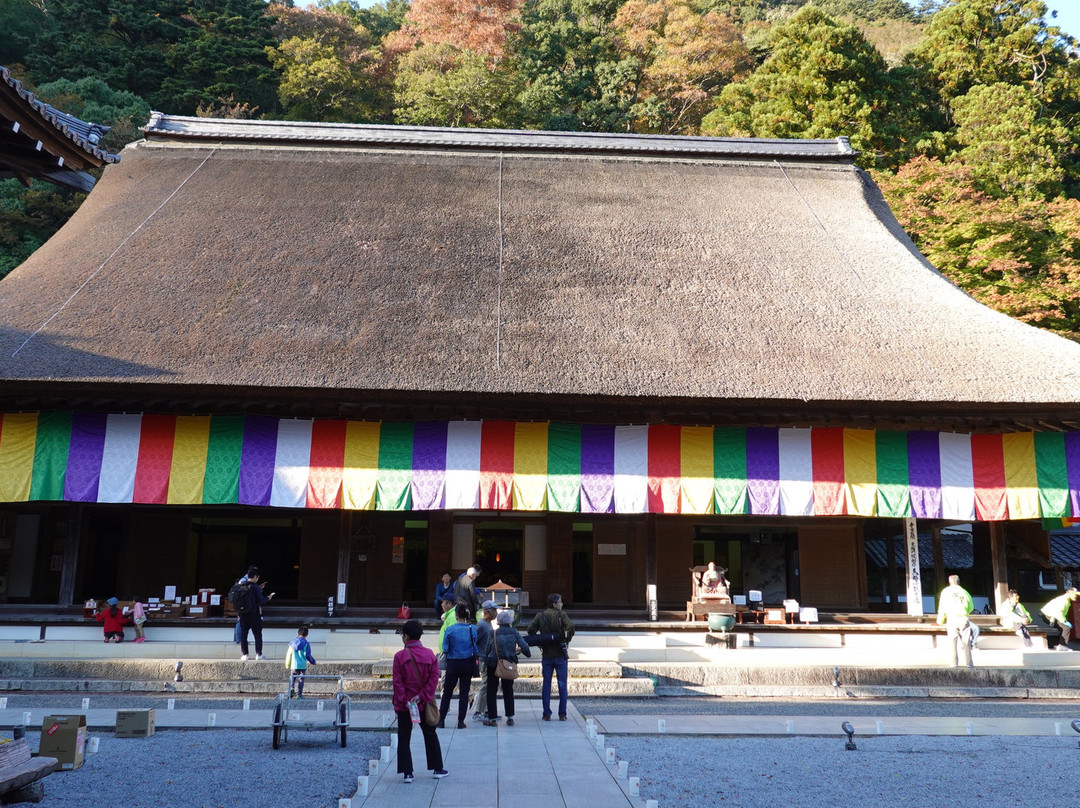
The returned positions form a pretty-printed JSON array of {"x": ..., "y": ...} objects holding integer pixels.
[
  {"x": 38, "y": 140},
  {"x": 334, "y": 263}
]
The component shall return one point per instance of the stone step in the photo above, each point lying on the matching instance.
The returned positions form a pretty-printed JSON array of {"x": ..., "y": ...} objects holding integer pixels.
[
  {"x": 580, "y": 686},
  {"x": 532, "y": 670}
]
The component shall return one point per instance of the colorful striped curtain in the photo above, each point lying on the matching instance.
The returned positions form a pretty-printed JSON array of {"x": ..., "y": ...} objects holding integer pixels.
[{"x": 536, "y": 466}]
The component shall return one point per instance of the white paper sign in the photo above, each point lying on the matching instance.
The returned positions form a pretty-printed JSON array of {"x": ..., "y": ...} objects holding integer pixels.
[
  {"x": 170, "y": 593},
  {"x": 215, "y": 600}
]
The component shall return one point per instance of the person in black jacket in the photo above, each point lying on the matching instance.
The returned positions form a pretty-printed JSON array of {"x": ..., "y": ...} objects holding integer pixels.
[
  {"x": 553, "y": 656},
  {"x": 465, "y": 591},
  {"x": 253, "y": 619}
]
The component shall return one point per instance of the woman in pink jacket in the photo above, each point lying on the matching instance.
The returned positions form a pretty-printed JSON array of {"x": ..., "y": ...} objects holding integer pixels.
[{"x": 416, "y": 674}]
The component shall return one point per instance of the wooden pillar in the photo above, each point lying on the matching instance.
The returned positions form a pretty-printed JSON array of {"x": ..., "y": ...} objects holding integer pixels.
[
  {"x": 71, "y": 556},
  {"x": 998, "y": 562},
  {"x": 890, "y": 573},
  {"x": 341, "y": 596},
  {"x": 650, "y": 567},
  {"x": 939, "y": 558}
]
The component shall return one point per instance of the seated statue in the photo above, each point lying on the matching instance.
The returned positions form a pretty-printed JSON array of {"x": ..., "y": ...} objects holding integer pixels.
[{"x": 714, "y": 584}]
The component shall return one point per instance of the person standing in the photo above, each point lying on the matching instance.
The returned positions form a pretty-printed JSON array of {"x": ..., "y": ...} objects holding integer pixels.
[
  {"x": 465, "y": 591},
  {"x": 954, "y": 606},
  {"x": 459, "y": 645},
  {"x": 1056, "y": 613},
  {"x": 297, "y": 658},
  {"x": 1013, "y": 615},
  {"x": 248, "y": 599},
  {"x": 416, "y": 674},
  {"x": 445, "y": 584},
  {"x": 507, "y": 642},
  {"x": 553, "y": 656},
  {"x": 138, "y": 617},
  {"x": 484, "y": 700}
]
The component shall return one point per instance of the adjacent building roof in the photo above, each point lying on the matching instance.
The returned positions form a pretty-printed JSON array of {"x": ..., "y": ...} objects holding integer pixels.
[
  {"x": 329, "y": 268},
  {"x": 37, "y": 140}
]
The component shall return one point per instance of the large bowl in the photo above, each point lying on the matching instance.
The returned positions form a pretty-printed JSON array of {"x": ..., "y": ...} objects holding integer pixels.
[{"x": 721, "y": 622}]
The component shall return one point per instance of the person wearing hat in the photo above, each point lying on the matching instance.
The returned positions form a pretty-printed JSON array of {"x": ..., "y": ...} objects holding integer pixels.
[
  {"x": 416, "y": 674},
  {"x": 507, "y": 642},
  {"x": 459, "y": 645},
  {"x": 553, "y": 656},
  {"x": 114, "y": 620},
  {"x": 485, "y": 641}
]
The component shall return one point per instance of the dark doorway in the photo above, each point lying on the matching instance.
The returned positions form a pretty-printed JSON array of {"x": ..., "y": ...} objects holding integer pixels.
[
  {"x": 498, "y": 552},
  {"x": 583, "y": 562},
  {"x": 226, "y": 547},
  {"x": 417, "y": 586}
]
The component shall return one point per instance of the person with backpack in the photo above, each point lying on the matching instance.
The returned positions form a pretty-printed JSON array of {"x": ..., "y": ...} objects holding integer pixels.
[
  {"x": 297, "y": 658},
  {"x": 553, "y": 655},
  {"x": 247, "y": 598}
]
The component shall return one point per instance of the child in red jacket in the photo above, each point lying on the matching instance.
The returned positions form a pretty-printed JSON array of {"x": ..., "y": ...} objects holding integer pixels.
[{"x": 114, "y": 620}]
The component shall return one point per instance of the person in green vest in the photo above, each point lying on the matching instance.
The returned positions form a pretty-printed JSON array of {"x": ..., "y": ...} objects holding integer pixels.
[
  {"x": 1013, "y": 615},
  {"x": 954, "y": 606},
  {"x": 1056, "y": 613}
]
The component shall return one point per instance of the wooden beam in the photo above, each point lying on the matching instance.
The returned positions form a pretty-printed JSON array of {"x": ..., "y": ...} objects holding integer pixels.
[
  {"x": 71, "y": 555},
  {"x": 939, "y": 557}
]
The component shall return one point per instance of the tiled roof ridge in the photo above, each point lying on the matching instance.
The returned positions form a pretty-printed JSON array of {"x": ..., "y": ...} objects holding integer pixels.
[
  {"x": 222, "y": 129},
  {"x": 84, "y": 134}
]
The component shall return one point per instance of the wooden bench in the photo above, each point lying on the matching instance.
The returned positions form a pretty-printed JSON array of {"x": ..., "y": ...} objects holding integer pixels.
[{"x": 20, "y": 774}]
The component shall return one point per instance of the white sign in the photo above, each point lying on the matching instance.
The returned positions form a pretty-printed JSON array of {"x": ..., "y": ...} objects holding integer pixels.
[
  {"x": 611, "y": 549},
  {"x": 341, "y": 594},
  {"x": 170, "y": 593},
  {"x": 914, "y": 574}
]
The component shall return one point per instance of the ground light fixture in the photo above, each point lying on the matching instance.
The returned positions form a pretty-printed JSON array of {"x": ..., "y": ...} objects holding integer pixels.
[
  {"x": 850, "y": 732},
  {"x": 179, "y": 676},
  {"x": 1076, "y": 727},
  {"x": 836, "y": 677}
]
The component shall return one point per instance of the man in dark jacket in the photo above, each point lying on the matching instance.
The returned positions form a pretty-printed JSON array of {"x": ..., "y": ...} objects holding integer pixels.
[
  {"x": 554, "y": 655},
  {"x": 465, "y": 591},
  {"x": 252, "y": 621}
]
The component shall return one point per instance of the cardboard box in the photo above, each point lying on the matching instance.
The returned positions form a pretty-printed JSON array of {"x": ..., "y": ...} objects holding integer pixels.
[
  {"x": 134, "y": 723},
  {"x": 64, "y": 738}
]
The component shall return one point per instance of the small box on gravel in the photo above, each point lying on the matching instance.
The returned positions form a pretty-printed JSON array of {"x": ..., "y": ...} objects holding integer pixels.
[{"x": 134, "y": 723}]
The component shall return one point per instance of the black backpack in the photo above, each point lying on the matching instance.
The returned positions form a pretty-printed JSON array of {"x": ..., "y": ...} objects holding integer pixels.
[{"x": 241, "y": 599}]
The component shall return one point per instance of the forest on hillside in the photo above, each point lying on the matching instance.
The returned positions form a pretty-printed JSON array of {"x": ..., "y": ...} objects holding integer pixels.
[{"x": 966, "y": 112}]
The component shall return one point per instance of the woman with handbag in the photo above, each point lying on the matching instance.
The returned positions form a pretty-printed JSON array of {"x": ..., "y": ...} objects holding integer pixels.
[
  {"x": 459, "y": 645},
  {"x": 415, "y": 676},
  {"x": 507, "y": 642}
]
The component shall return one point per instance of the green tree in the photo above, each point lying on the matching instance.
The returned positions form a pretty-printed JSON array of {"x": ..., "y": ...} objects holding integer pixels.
[
  {"x": 971, "y": 42},
  {"x": 125, "y": 43},
  {"x": 1011, "y": 149},
  {"x": 380, "y": 19},
  {"x": 29, "y": 217},
  {"x": 22, "y": 22},
  {"x": 222, "y": 57},
  {"x": 572, "y": 73},
  {"x": 441, "y": 85},
  {"x": 330, "y": 69},
  {"x": 821, "y": 79}
]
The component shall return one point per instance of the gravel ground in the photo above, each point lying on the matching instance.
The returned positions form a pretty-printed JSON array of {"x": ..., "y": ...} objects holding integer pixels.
[
  {"x": 214, "y": 769},
  {"x": 915, "y": 772}
]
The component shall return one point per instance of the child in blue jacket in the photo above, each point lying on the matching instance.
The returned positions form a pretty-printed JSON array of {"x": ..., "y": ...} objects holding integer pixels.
[{"x": 297, "y": 658}]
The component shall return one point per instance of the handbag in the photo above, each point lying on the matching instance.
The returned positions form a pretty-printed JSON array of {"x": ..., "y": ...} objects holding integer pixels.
[
  {"x": 507, "y": 669},
  {"x": 430, "y": 715},
  {"x": 404, "y": 612}
]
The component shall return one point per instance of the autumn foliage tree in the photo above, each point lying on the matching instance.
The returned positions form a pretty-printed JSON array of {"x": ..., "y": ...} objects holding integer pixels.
[{"x": 685, "y": 59}]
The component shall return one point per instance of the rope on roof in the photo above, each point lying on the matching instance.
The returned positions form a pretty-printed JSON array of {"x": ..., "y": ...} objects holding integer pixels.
[
  {"x": 119, "y": 247},
  {"x": 498, "y": 291}
]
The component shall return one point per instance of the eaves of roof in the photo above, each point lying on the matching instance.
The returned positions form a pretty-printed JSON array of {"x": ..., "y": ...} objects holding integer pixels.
[
  {"x": 83, "y": 135},
  {"x": 163, "y": 126}
]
